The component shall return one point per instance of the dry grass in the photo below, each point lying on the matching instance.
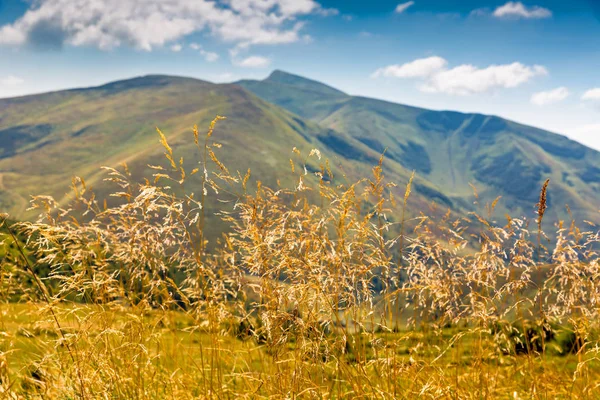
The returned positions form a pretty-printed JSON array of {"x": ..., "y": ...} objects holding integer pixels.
[{"x": 315, "y": 292}]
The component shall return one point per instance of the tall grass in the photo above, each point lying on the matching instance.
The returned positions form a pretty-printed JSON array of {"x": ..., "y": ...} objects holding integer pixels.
[{"x": 320, "y": 288}]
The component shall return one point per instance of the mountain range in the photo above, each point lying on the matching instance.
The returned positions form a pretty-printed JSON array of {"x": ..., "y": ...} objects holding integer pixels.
[{"x": 46, "y": 139}]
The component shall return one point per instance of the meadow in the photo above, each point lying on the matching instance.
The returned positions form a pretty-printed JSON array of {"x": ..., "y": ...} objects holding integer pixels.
[{"x": 316, "y": 289}]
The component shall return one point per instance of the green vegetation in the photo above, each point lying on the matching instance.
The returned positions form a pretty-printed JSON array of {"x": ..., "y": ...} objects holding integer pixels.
[
  {"x": 449, "y": 150},
  {"x": 64, "y": 131},
  {"x": 322, "y": 286},
  {"x": 166, "y": 356}
]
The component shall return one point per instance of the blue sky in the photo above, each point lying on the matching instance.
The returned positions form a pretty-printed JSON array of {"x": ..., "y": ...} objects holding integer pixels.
[{"x": 535, "y": 62}]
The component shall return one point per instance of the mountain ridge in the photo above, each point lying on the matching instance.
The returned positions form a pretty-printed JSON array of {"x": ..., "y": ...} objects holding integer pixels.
[
  {"x": 455, "y": 149},
  {"x": 290, "y": 76},
  {"x": 279, "y": 72},
  {"x": 448, "y": 150}
]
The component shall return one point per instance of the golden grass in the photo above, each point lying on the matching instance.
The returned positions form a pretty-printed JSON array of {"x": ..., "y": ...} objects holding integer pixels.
[{"x": 317, "y": 291}]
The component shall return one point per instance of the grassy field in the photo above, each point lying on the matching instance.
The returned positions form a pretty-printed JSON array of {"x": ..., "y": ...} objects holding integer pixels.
[
  {"x": 165, "y": 355},
  {"x": 129, "y": 354},
  {"x": 317, "y": 290}
]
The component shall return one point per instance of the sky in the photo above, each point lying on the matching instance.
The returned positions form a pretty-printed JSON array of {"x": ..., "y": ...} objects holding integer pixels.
[{"x": 536, "y": 62}]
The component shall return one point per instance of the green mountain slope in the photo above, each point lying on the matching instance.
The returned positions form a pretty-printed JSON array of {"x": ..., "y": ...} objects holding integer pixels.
[
  {"x": 47, "y": 139},
  {"x": 451, "y": 150},
  {"x": 306, "y": 98}
]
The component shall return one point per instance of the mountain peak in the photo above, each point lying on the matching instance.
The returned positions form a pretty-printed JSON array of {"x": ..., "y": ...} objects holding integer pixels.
[
  {"x": 147, "y": 81},
  {"x": 286, "y": 78}
]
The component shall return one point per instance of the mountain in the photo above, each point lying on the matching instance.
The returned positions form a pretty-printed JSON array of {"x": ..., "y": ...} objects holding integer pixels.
[
  {"x": 304, "y": 97},
  {"x": 451, "y": 150},
  {"x": 47, "y": 139}
]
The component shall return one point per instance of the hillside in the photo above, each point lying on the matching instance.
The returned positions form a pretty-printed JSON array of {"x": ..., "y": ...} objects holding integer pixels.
[
  {"x": 452, "y": 149},
  {"x": 49, "y": 138}
]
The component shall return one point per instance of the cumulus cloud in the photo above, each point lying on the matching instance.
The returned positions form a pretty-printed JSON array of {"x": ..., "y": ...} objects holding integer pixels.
[
  {"x": 516, "y": 9},
  {"x": 254, "y": 62},
  {"x": 468, "y": 79},
  {"x": 420, "y": 68},
  {"x": 464, "y": 79},
  {"x": 592, "y": 94},
  {"x": 11, "y": 80},
  {"x": 146, "y": 24},
  {"x": 550, "y": 96},
  {"x": 208, "y": 55},
  {"x": 400, "y": 8},
  {"x": 176, "y": 48}
]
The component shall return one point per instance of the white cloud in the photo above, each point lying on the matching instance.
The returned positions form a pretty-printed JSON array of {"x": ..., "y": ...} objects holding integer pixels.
[
  {"x": 464, "y": 79},
  {"x": 516, "y": 9},
  {"x": 550, "y": 96},
  {"x": 420, "y": 68},
  {"x": 480, "y": 12},
  {"x": 592, "y": 94},
  {"x": 176, "y": 48},
  {"x": 146, "y": 24},
  {"x": 208, "y": 55},
  {"x": 254, "y": 62},
  {"x": 468, "y": 79},
  {"x": 11, "y": 80},
  {"x": 327, "y": 12},
  {"x": 400, "y": 8}
]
